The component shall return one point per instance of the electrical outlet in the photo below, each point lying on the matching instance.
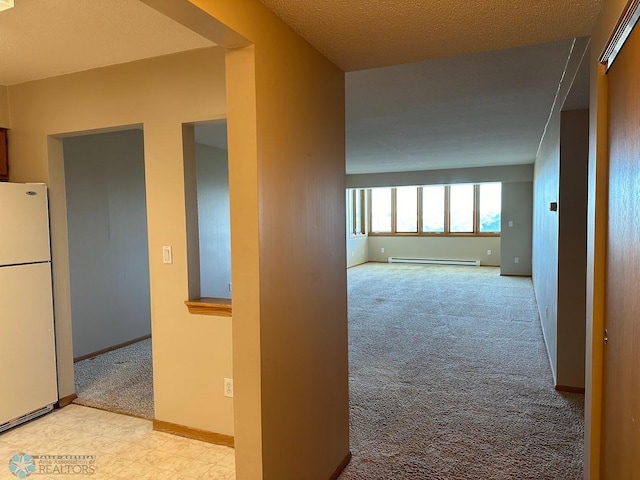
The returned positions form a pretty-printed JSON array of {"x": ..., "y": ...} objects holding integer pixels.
[
  {"x": 381, "y": 249},
  {"x": 229, "y": 286},
  {"x": 228, "y": 387},
  {"x": 516, "y": 260},
  {"x": 488, "y": 252},
  {"x": 510, "y": 223}
]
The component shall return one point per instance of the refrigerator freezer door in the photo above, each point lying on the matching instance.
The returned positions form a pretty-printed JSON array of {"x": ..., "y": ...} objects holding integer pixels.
[
  {"x": 27, "y": 350},
  {"x": 24, "y": 224}
]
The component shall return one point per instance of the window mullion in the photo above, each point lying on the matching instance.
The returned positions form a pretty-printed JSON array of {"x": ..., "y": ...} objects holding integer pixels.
[
  {"x": 447, "y": 212},
  {"x": 476, "y": 208},
  {"x": 353, "y": 211},
  {"x": 363, "y": 197},
  {"x": 394, "y": 215},
  {"x": 419, "y": 224},
  {"x": 369, "y": 216}
]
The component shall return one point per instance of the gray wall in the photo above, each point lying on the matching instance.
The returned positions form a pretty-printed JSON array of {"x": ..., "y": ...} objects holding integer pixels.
[
  {"x": 572, "y": 247},
  {"x": 517, "y": 207},
  {"x": 558, "y": 168},
  {"x": 212, "y": 175},
  {"x": 458, "y": 248},
  {"x": 559, "y": 243},
  {"x": 545, "y": 239},
  {"x": 513, "y": 173},
  {"x": 108, "y": 252}
]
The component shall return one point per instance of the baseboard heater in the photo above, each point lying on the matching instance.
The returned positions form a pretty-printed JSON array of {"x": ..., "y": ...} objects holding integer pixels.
[{"x": 434, "y": 261}]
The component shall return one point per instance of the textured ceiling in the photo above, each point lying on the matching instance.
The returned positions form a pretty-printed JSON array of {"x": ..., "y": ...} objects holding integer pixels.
[
  {"x": 360, "y": 34},
  {"x": 484, "y": 109},
  {"x": 457, "y": 109},
  {"x": 44, "y": 38}
]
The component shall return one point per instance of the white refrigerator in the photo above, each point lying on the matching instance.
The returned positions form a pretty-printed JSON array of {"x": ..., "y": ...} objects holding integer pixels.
[{"x": 28, "y": 380}]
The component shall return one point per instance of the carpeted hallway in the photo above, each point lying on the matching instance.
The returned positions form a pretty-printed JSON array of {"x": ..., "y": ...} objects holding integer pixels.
[{"x": 449, "y": 379}]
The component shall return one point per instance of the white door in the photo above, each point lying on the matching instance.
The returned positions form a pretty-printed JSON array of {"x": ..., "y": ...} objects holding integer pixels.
[
  {"x": 24, "y": 224},
  {"x": 27, "y": 350}
]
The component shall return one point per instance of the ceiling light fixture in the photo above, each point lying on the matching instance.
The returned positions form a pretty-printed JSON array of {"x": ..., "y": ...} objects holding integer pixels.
[{"x": 6, "y": 4}]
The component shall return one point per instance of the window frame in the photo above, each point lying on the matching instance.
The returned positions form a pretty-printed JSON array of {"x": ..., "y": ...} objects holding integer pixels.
[
  {"x": 447, "y": 216},
  {"x": 353, "y": 194}
]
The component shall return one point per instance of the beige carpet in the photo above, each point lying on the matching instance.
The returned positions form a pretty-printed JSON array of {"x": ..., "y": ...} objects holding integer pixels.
[
  {"x": 449, "y": 379},
  {"x": 119, "y": 381}
]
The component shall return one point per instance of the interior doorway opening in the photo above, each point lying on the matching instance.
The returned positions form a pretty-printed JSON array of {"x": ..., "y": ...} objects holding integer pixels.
[{"x": 109, "y": 270}]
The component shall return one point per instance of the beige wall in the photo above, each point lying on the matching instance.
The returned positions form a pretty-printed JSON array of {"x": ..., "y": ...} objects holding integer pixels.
[
  {"x": 191, "y": 353},
  {"x": 287, "y": 192},
  {"x": 517, "y": 208},
  {"x": 457, "y": 248},
  {"x": 596, "y": 234},
  {"x": 4, "y": 108},
  {"x": 357, "y": 250}
]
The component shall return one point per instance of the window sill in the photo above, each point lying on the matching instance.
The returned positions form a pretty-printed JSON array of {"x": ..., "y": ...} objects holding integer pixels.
[
  {"x": 388, "y": 234},
  {"x": 220, "y": 307}
]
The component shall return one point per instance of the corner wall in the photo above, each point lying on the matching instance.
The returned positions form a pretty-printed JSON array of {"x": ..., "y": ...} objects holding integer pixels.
[
  {"x": 108, "y": 249},
  {"x": 286, "y": 137}
]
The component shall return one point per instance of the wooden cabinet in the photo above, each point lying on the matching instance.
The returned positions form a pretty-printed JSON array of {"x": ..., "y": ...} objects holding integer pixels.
[{"x": 4, "y": 156}]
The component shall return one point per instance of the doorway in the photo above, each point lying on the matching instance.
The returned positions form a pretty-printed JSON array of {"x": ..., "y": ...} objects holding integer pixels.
[{"x": 109, "y": 271}]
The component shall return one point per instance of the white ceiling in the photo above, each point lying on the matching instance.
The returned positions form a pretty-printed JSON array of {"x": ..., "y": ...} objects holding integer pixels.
[
  {"x": 473, "y": 100},
  {"x": 359, "y": 34},
  {"x": 484, "y": 109},
  {"x": 447, "y": 111},
  {"x": 45, "y": 38}
]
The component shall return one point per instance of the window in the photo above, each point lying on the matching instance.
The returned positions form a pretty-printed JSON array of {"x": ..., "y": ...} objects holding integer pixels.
[
  {"x": 381, "y": 210},
  {"x": 461, "y": 209},
  {"x": 407, "y": 209},
  {"x": 433, "y": 209},
  {"x": 490, "y": 207},
  {"x": 356, "y": 211}
]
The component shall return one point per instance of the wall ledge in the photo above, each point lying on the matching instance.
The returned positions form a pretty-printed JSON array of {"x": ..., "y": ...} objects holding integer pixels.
[{"x": 220, "y": 307}]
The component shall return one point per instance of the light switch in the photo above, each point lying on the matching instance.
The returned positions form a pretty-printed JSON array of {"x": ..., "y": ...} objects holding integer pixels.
[
  {"x": 167, "y": 255},
  {"x": 510, "y": 223}
]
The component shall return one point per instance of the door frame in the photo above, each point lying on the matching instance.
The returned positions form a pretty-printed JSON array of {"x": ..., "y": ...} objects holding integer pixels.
[{"x": 613, "y": 40}]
